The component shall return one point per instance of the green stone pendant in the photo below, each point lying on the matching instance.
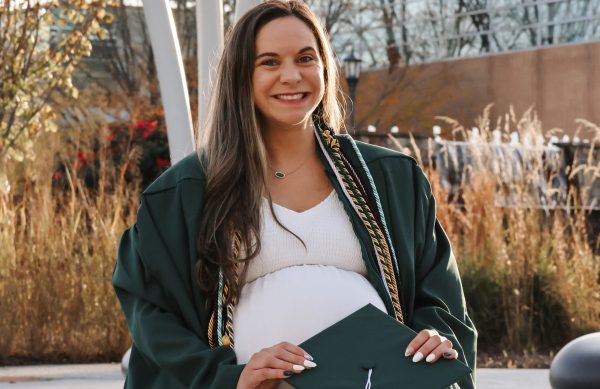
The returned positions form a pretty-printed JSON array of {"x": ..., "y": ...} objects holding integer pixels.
[{"x": 280, "y": 175}]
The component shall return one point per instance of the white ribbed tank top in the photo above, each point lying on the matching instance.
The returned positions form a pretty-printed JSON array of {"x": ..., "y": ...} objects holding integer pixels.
[{"x": 292, "y": 293}]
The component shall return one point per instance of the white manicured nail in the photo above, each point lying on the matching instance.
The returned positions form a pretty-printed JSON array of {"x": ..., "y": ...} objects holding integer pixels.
[
  {"x": 307, "y": 356},
  {"x": 308, "y": 363},
  {"x": 298, "y": 367},
  {"x": 430, "y": 358},
  {"x": 408, "y": 352},
  {"x": 418, "y": 356}
]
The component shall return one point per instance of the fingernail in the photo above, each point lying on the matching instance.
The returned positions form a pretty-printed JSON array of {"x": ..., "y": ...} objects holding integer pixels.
[
  {"x": 307, "y": 356},
  {"x": 430, "y": 358},
  {"x": 298, "y": 367},
  {"x": 408, "y": 352},
  {"x": 447, "y": 354},
  {"x": 288, "y": 373},
  {"x": 418, "y": 356},
  {"x": 309, "y": 364}
]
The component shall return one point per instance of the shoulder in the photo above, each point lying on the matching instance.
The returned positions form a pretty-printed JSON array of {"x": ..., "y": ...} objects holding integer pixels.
[
  {"x": 188, "y": 169},
  {"x": 372, "y": 153},
  {"x": 168, "y": 215},
  {"x": 393, "y": 166}
]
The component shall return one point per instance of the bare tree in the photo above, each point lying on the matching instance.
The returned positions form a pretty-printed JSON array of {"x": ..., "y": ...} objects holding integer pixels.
[
  {"x": 332, "y": 12},
  {"x": 480, "y": 19}
]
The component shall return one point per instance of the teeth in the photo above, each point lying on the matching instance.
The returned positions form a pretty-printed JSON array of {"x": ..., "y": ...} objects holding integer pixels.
[{"x": 291, "y": 97}]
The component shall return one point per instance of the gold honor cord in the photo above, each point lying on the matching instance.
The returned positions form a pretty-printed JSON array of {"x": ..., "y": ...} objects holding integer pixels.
[
  {"x": 378, "y": 239},
  {"x": 217, "y": 335}
]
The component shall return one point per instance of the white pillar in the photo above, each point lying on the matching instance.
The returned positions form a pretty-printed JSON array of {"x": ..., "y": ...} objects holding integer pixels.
[
  {"x": 209, "y": 22},
  {"x": 242, "y": 6},
  {"x": 171, "y": 77}
]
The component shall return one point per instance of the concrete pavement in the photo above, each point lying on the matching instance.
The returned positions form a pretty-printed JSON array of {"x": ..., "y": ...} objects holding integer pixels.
[{"x": 108, "y": 376}]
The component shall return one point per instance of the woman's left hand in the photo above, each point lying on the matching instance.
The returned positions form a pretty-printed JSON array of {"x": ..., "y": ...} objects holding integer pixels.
[{"x": 431, "y": 346}]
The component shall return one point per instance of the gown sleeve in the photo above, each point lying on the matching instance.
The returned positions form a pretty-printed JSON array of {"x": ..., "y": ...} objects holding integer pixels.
[
  {"x": 439, "y": 299},
  {"x": 167, "y": 351}
]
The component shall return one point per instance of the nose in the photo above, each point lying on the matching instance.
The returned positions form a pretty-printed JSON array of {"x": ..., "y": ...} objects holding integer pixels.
[{"x": 290, "y": 74}]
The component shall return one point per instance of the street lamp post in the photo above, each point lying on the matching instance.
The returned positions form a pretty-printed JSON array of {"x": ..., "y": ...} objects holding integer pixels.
[{"x": 352, "y": 71}]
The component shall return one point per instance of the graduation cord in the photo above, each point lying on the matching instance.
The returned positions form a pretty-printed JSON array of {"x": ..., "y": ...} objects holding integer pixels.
[
  {"x": 381, "y": 219},
  {"x": 216, "y": 329},
  {"x": 385, "y": 256}
]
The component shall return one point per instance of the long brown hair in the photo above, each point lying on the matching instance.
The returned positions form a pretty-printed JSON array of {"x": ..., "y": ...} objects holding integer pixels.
[{"x": 231, "y": 148}]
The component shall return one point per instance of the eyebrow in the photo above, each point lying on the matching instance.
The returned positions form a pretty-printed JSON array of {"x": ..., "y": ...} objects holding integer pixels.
[{"x": 307, "y": 48}]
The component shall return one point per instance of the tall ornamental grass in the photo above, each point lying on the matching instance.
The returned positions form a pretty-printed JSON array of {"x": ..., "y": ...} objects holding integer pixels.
[
  {"x": 529, "y": 264},
  {"x": 59, "y": 246}
]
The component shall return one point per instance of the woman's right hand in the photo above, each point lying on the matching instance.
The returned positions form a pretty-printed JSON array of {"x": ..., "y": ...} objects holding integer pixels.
[{"x": 269, "y": 366}]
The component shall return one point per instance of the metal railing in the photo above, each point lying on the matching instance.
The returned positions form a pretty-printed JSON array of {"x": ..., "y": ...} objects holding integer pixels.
[{"x": 429, "y": 30}]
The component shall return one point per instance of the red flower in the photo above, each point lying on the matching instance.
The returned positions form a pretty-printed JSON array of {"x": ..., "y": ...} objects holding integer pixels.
[
  {"x": 111, "y": 136},
  {"x": 162, "y": 162},
  {"x": 141, "y": 124},
  {"x": 80, "y": 156},
  {"x": 147, "y": 133},
  {"x": 57, "y": 175}
]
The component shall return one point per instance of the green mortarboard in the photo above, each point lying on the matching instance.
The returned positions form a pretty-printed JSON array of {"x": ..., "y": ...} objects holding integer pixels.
[{"x": 368, "y": 346}]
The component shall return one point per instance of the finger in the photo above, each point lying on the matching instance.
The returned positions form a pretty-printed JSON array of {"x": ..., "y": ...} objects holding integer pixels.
[
  {"x": 261, "y": 375},
  {"x": 295, "y": 350},
  {"x": 438, "y": 352},
  {"x": 287, "y": 356},
  {"x": 418, "y": 341},
  {"x": 450, "y": 354},
  {"x": 428, "y": 347},
  {"x": 272, "y": 361}
]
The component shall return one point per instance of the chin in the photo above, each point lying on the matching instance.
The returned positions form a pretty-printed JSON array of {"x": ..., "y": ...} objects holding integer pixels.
[{"x": 292, "y": 120}]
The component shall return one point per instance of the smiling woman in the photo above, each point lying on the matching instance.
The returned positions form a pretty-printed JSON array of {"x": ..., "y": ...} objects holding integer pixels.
[{"x": 280, "y": 227}]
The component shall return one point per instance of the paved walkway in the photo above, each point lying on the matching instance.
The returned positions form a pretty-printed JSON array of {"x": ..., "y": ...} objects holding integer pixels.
[{"x": 108, "y": 376}]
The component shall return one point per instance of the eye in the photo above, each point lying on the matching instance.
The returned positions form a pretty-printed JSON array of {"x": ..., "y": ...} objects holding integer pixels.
[
  {"x": 306, "y": 59},
  {"x": 269, "y": 62}
]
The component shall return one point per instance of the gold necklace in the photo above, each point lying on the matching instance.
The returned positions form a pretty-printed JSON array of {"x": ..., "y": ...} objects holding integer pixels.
[{"x": 281, "y": 175}]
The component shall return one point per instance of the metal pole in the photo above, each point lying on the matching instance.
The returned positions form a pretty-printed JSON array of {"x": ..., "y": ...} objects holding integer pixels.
[
  {"x": 209, "y": 22},
  {"x": 352, "y": 83},
  {"x": 171, "y": 77}
]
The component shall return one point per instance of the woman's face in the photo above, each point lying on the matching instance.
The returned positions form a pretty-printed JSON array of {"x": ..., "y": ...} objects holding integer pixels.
[{"x": 288, "y": 82}]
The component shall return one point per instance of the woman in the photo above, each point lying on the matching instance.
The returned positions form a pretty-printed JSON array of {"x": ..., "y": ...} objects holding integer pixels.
[{"x": 279, "y": 228}]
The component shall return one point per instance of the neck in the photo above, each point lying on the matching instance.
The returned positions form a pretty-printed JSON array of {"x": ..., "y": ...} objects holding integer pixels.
[{"x": 287, "y": 146}]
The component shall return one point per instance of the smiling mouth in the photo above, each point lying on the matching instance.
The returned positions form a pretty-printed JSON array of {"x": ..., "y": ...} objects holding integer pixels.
[{"x": 291, "y": 97}]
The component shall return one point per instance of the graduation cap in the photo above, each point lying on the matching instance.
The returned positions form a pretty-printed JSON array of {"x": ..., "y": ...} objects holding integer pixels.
[{"x": 366, "y": 350}]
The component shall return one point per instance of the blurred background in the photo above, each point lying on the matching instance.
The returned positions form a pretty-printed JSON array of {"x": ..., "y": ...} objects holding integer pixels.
[{"x": 497, "y": 99}]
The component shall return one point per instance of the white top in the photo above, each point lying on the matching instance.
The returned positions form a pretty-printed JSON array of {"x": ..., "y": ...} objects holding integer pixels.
[
  {"x": 294, "y": 293},
  {"x": 325, "y": 229}
]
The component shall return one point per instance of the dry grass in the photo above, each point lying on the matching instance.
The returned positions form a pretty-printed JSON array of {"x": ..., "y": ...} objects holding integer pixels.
[
  {"x": 57, "y": 257},
  {"x": 530, "y": 274}
]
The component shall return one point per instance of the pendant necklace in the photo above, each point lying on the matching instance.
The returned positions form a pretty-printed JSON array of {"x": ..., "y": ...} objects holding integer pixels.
[{"x": 281, "y": 175}]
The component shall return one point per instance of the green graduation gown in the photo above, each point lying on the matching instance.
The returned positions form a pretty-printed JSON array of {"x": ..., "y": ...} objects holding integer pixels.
[{"x": 165, "y": 310}]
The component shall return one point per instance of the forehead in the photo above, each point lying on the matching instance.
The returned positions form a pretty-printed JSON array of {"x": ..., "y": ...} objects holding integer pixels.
[{"x": 286, "y": 34}]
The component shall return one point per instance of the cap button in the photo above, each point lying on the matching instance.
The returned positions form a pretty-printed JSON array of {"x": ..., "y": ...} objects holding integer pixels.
[{"x": 367, "y": 365}]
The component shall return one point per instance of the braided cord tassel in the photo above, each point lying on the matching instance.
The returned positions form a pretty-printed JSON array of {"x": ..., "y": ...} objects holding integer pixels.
[
  {"x": 384, "y": 257},
  {"x": 231, "y": 300},
  {"x": 219, "y": 334},
  {"x": 212, "y": 330},
  {"x": 220, "y": 308}
]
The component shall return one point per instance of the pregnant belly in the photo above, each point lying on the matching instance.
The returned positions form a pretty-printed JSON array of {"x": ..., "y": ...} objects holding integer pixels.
[{"x": 295, "y": 303}]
